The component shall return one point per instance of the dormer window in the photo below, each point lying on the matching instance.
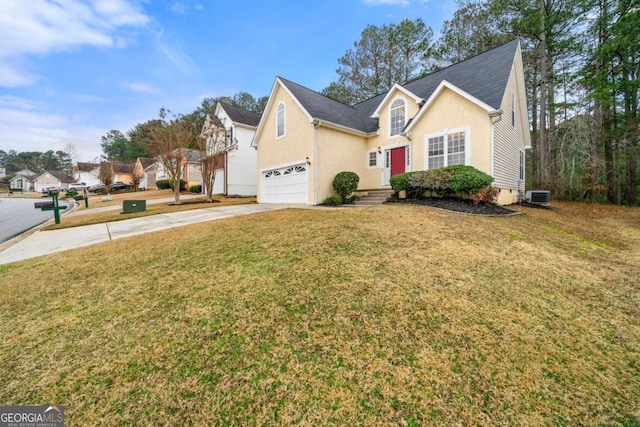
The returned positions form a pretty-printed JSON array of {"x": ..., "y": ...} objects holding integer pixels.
[
  {"x": 397, "y": 116},
  {"x": 280, "y": 121}
]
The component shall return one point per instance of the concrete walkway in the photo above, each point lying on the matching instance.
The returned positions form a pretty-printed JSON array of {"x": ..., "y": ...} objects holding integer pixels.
[{"x": 46, "y": 242}]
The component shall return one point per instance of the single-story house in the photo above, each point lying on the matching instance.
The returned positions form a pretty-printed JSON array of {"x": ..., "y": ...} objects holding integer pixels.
[
  {"x": 473, "y": 112},
  {"x": 87, "y": 173},
  {"x": 52, "y": 178},
  {"x": 23, "y": 180},
  {"x": 147, "y": 168}
]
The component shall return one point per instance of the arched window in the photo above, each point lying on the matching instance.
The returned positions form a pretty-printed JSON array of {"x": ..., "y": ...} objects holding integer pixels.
[
  {"x": 280, "y": 121},
  {"x": 397, "y": 117}
]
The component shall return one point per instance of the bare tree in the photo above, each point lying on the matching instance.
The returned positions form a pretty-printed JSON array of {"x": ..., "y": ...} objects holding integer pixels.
[
  {"x": 136, "y": 176},
  {"x": 211, "y": 143},
  {"x": 106, "y": 175},
  {"x": 72, "y": 154},
  {"x": 167, "y": 142}
]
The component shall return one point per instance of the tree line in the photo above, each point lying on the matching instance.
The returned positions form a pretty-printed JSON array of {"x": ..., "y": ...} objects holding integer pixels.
[
  {"x": 36, "y": 161},
  {"x": 139, "y": 141}
]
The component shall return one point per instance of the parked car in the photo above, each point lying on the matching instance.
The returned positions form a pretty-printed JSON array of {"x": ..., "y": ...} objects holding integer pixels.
[
  {"x": 119, "y": 186},
  {"x": 46, "y": 190},
  {"x": 77, "y": 187},
  {"x": 98, "y": 188}
]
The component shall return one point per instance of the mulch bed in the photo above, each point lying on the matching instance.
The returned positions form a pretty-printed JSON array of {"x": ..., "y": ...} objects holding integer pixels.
[{"x": 460, "y": 205}]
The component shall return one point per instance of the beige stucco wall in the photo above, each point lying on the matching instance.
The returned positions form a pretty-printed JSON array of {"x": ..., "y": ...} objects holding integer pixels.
[
  {"x": 337, "y": 152},
  {"x": 451, "y": 111},
  {"x": 294, "y": 147}
]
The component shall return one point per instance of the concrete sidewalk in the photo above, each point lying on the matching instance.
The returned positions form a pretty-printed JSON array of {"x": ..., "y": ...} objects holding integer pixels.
[{"x": 46, "y": 242}]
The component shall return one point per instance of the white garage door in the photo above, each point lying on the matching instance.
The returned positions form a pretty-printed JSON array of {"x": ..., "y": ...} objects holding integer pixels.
[{"x": 284, "y": 185}]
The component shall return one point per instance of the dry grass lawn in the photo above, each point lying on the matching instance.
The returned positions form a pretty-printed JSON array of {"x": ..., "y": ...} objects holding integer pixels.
[
  {"x": 392, "y": 315},
  {"x": 95, "y": 214}
]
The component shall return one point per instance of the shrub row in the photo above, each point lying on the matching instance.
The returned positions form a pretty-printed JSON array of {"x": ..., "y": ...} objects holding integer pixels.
[
  {"x": 163, "y": 184},
  {"x": 448, "y": 181}
]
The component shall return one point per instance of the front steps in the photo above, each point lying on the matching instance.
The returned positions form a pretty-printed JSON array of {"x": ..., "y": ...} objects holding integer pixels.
[{"x": 374, "y": 197}]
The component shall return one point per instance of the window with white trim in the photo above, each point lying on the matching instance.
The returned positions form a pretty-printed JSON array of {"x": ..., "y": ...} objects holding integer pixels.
[
  {"x": 280, "y": 121},
  {"x": 372, "y": 160},
  {"x": 397, "y": 117},
  {"x": 446, "y": 150},
  {"x": 521, "y": 176}
]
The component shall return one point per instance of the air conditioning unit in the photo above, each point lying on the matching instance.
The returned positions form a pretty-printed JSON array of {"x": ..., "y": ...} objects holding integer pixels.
[{"x": 538, "y": 197}]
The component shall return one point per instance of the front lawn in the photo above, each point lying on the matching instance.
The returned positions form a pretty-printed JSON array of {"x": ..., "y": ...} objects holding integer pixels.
[{"x": 391, "y": 315}]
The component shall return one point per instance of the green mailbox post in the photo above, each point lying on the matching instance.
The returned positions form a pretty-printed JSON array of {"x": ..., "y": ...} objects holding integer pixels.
[
  {"x": 51, "y": 206},
  {"x": 84, "y": 197}
]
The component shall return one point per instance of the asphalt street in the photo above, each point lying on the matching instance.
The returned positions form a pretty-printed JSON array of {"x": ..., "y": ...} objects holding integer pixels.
[{"x": 18, "y": 215}]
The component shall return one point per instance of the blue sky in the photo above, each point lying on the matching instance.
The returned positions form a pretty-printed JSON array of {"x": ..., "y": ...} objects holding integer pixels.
[{"x": 71, "y": 70}]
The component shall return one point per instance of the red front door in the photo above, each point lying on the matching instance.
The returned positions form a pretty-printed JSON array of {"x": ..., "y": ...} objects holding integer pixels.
[{"x": 398, "y": 160}]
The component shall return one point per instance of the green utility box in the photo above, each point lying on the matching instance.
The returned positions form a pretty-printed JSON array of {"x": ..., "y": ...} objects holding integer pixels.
[{"x": 133, "y": 206}]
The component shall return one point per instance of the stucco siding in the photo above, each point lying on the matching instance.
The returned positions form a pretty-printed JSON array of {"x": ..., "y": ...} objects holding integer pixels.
[
  {"x": 296, "y": 144},
  {"x": 448, "y": 112},
  {"x": 338, "y": 152}
]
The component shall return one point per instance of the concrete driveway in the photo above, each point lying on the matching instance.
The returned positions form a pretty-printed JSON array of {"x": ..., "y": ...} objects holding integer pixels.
[{"x": 52, "y": 241}]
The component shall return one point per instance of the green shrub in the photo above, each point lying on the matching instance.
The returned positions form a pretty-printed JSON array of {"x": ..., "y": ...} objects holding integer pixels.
[
  {"x": 195, "y": 189},
  {"x": 451, "y": 180},
  {"x": 163, "y": 184},
  {"x": 434, "y": 181},
  {"x": 345, "y": 183},
  {"x": 467, "y": 178},
  {"x": 400, "y": 182},
  {"x": 183, "y": 185},
  {"x": 332, "y": 201}
]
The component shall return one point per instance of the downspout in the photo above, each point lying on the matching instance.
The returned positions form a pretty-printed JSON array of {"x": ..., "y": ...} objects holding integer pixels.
[
  {"x": 225, "y": 174},
  {"x": 316, "y": 125},
  {"x": 494, "y": 116}
]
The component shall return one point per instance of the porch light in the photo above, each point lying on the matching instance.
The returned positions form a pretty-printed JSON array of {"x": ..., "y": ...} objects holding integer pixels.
[
  {"x": 308, "y": 161},
  {"x": 379, "y": 150}
]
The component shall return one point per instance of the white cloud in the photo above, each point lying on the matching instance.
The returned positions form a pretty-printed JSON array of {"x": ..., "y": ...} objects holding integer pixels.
[
  {"x": 42, "y": 131},
  {"x": 13, "y": 77},
  {"x": 179, "y": 7},
  {"x": 386, "y": 2},
  {"x": 141, "y": 87},
  {"x": 173, "y": 50},
  {"x": 44, "y": 26}
]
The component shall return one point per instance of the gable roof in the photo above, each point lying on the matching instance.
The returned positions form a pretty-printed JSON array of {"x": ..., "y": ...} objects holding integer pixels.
[
  {"x": 241, "y": 115},
  {"x": 122, "y": 167},
  {"x": 145, "y": 162},
  {"x": 326, "y": 109},
  {"x": 483, "y": 77},
  {"x": 191, "y": 155},
  {"x": 86, "y": 166},
  {"x": 60, "y": 176}
]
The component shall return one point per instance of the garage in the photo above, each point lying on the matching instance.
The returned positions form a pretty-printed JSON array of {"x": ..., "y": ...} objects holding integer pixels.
[{"x": 285, "y": 185}]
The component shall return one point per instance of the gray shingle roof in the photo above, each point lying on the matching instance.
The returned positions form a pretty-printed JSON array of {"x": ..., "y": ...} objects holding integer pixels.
[
  {"x": 483, "y": 76},
  {"x": 241, "y": 115},
  {"x": 322, "y": 108}
]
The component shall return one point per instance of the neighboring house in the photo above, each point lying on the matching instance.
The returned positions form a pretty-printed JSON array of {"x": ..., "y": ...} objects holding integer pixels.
[
  {"x": 52, "y": 179},
  {"x": 147, "y": 168},
  {"x": 122, "y": 172},
  {"x": 238, "y": 174},
  {"x": 191, "y": 169},
  {"x": 473, "y": 113},
  {"x": 87, "y": 173},
  {"x": 23, "y": 180}
]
